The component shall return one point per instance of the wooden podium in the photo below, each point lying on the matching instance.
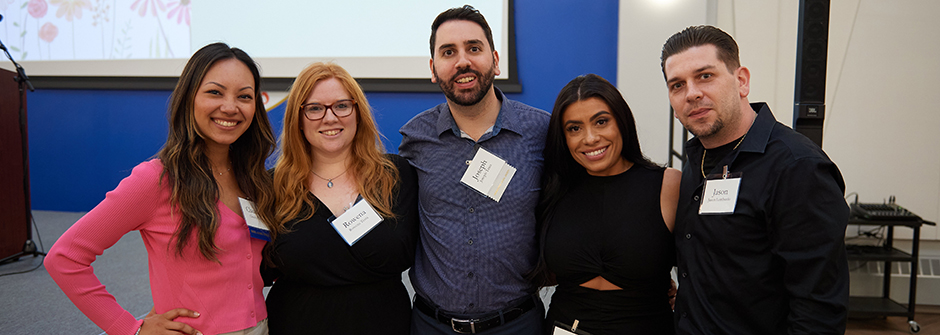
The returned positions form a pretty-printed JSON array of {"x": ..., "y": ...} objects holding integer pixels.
[{"x": 14, "y": 171}]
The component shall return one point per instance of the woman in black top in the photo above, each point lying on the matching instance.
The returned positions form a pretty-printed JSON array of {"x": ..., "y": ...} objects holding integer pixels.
[
  {"x": 332, "y": 162},
  {"x": 607, "y": 214}
]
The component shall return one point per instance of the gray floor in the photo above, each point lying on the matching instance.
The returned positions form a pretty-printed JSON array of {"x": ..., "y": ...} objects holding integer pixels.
[{"x": 33, "y": 304}]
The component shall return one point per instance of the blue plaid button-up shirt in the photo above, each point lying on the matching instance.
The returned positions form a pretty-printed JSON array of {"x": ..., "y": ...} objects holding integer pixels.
[{"x": 474, "y": 252}]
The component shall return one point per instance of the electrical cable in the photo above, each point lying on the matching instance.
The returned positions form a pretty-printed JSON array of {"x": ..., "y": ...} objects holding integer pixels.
[
  {"x": 838, "y": 79},
  {"x": 41, "y": 251}
]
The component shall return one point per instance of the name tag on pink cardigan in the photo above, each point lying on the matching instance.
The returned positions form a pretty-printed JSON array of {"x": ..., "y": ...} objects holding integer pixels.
[{"x": 257, "y": 229}]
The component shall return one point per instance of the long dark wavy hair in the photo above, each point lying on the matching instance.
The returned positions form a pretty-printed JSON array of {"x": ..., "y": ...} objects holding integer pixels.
[
  {"x": 185, "y": 164},
  {"x": 561, "y": 170}
]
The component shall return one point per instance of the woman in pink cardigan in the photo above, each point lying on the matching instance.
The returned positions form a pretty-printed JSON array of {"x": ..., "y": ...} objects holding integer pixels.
[{"x": 190, "y": 206}]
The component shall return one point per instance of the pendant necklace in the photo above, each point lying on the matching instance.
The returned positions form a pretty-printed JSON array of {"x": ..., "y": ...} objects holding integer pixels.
[
  {"x": 329, "y": 181},
  {"x": 220, "y": 173},
  {"x": 702, "y": 166}
]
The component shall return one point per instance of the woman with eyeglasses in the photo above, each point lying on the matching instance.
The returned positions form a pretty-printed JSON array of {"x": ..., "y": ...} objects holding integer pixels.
[
  {"x": 349, "y": 212},
  {"x": 192, "y": 207}
]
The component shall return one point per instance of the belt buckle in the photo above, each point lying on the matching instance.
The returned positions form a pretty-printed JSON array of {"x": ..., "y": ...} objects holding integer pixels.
[{"x": 473, "y": 329}]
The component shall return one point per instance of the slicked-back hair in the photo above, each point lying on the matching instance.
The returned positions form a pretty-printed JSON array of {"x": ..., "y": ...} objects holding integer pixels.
[
  {"x": 467, "y": 13},
  {"x": 702, "y": 35},
  {"x": 194, "y": 192}
]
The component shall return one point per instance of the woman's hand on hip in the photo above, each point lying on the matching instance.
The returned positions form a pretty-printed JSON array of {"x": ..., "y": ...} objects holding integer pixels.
[{"x": 159, "y": 324}]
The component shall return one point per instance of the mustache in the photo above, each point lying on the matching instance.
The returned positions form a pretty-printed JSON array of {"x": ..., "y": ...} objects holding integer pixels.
[
  {"x": 465, "y": 71},
  {"x": 700, "y": 105}
]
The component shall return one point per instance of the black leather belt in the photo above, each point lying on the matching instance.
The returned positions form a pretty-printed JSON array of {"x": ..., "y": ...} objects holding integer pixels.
[{"x": 473, "y": 326}]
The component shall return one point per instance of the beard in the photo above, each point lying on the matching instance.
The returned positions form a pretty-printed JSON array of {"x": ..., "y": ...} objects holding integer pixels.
[
  {"x": 727, "y": 111},
  {"x": 706, "y": 130},
  {"x": 471, "y": 96}
]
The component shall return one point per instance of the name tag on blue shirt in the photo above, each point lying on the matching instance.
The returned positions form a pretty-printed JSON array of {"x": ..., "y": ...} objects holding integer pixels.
[
  {"x": 358, "y": 221},
  {"x": 488, "y": 174},
  {"x": 257, "y": 229}
]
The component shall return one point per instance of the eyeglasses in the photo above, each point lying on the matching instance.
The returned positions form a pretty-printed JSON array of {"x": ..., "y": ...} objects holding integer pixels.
[{"x": 316, "y": 111}]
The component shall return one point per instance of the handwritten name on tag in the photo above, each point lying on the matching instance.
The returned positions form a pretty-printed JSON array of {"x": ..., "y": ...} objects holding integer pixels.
[{"x": 488, "y": 174}]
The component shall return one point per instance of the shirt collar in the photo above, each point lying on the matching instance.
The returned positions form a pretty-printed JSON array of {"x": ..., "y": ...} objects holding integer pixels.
[
  {"x": 504, "y": 119},
  {"x": 759, "y": 134}
]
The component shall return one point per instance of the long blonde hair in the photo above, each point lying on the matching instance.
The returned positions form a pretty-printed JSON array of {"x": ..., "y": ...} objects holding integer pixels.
[{"x": 376, "y": 175}]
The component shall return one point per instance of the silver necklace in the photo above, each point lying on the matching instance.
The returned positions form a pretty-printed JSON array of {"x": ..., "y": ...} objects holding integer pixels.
[{"x": 329, "y": 181}]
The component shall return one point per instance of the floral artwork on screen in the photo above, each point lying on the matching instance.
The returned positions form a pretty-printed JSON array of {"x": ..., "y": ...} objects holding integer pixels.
[{"x": 96, "y": 29}]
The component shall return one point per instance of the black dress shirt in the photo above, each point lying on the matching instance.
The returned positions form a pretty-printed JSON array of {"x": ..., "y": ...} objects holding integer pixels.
[{"x": 777, "y": 265}]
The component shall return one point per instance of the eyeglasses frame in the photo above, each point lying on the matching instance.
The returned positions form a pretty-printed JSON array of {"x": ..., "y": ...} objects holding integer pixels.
[{"x": 329, "y": 107}]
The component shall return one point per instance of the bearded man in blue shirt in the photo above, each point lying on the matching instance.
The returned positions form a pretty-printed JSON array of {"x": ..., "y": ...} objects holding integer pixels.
[{"x": 477, "y": 240}]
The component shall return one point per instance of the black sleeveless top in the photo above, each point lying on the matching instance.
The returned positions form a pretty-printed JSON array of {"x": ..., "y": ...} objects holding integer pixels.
[{"x": 612, "y": 227}]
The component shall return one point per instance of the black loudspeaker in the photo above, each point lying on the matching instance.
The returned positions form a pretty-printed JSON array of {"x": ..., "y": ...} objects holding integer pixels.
[{"x": 812, "y": 49}]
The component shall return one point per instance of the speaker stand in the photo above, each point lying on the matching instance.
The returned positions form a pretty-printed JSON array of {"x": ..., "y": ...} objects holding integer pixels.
[{"x": 29, "y": 248}]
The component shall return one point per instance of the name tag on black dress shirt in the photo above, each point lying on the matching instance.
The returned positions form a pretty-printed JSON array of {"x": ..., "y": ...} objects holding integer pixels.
[{"x": 720, "y": 195}]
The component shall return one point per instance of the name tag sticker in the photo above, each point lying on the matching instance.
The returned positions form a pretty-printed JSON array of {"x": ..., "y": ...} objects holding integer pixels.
[
  {"x": 720, "y": 196},
  {"x": 559, "y": 331},
  {"x": 563, "y": 329},
  {"x": 358, "y": 221},
  {"x": 488, "y": 174},
  {"x": 257, "y": 229}
]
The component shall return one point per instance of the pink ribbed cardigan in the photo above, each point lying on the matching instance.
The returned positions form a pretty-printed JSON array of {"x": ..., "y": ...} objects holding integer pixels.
[{"x": 228, "y": 294}]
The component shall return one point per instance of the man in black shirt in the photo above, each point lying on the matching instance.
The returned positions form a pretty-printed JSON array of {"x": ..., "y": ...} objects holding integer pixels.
[{"x": 761, "y": 218}]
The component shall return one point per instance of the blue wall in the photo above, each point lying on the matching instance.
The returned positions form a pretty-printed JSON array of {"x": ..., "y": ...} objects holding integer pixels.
[{"x": 83, "y": 142}]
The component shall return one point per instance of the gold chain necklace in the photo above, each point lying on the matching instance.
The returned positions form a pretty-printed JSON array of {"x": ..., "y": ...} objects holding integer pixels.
[{"x": 702, "y": 166}]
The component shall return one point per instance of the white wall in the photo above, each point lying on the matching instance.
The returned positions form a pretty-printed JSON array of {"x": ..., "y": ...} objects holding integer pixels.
[
  {"x": 644, "y": 26},
  {"x": 883, "y": 74},
  {"x": 883, "y": 119}
]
